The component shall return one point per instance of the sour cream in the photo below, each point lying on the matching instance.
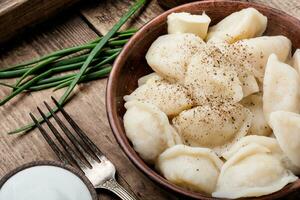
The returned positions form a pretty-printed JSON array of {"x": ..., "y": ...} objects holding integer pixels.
[{"x": 44, "y": 183}]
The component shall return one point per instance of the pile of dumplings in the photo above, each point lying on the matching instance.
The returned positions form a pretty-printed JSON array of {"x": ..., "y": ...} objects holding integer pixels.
[{"x": 220, "y": 113}]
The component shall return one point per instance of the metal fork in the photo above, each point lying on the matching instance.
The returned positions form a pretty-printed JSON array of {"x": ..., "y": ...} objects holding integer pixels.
[{"x": 87, "y": 157}]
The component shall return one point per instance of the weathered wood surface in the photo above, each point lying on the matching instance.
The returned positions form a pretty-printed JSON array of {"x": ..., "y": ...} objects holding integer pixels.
[
  {"x": 88, "y": 104},
  {"x": 90, "y": 97},
  {"x": 18, "y": 14},
  {"x": 289, "y": 6}
]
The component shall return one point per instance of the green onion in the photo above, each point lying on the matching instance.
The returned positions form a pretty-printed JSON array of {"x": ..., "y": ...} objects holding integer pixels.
[
  {"x": 118, "y": 42},
  {"x": 125, "y": 33},
  {"x": 47, "y": 59},
  {"x": 99, "y": 46},
  {"x": 92, "y": 76},
  {"x": 32, "y": 70},
  {"x": 50, "y": 84},
  {"x": 86, "y": 72},
  {"x": 54, "y": 79},
  {"x": 13, "y": 74}
]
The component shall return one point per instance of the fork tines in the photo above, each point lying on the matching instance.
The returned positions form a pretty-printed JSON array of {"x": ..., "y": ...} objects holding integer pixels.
[{"x": 85, "y": 153}]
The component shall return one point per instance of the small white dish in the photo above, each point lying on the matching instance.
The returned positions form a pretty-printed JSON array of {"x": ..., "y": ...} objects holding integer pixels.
[{"x": 47, "y": 180}]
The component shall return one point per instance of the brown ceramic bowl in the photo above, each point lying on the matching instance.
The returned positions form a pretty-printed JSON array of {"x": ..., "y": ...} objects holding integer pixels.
[{"x": 131, "y": 65}]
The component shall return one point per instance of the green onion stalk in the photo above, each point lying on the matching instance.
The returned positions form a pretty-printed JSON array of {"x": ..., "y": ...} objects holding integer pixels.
[{"x": 93, "y": 60}]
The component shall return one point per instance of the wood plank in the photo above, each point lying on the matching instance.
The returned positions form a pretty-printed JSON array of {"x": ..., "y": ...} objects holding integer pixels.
[
  {"x": 17, "y": 14},
  {"x": 291, "y": 7},
  {"x": 57, "y": 34},
  {"x": 87, "y": 107},
  {"x": 102, "y": 15}
]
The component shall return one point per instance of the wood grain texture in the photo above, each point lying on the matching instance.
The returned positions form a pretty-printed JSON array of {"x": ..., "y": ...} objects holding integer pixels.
[
  {"x": 292, "y": 7},
  {"x": 104, "y": 14},
  {"x": 88, "y": 105},
  {"x": 289, "y": 6},
  {"x": 87, "y": 108},
  {"x": 17, "y": 14}
]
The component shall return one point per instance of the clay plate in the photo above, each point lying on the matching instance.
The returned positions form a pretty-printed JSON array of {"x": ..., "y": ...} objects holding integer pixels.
[{"x": 131, "y": 65}]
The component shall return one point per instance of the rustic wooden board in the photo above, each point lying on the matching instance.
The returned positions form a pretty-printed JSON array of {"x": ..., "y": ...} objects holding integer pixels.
[
  {"x": 18, "y": 14},
  {"x": 15, "y": 150},
  {"x": 88, "y": 105},
  {"x": 102, "y": 15},
  {"x": 292, "y": 7},
  {"x": 289, "y": 6}
]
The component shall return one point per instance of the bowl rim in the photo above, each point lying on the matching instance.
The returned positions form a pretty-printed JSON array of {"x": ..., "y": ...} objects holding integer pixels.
[
  {"x": 116, "y": 127},
  {"x": 69, "y": 168}
]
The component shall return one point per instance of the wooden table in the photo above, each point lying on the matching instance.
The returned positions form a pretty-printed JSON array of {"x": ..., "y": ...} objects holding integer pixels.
[{"x": 78, "y": 26}]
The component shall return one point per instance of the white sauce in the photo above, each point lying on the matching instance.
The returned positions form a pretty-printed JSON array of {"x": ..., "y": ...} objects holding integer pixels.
[{"x": 44, "y": 183}]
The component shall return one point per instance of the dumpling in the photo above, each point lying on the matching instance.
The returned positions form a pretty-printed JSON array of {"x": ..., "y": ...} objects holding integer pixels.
[
  {"x": 171, "y": 98},
  {"x": 149, "y": 130},
  {"x": 296, "y": 60},
  {"x": 144, "y": 79},
  {"x": 286, "y": 127},
  {"x": 208, "y": 82},
  {"x": 247, "y": 23},
  {"x": 187, "y": 23},
  {"x": 213, "y": 126},
  {"x": 252, "y": 172},
  {"x": 267, "y": 142},
  {"x": 230, "y": 57},
  {"x": 249, "y": 84},
  {"x": 194, "y": 168},
  {"x": 281, "y": 88},
  {"x": 259, "y": 49},
  {"x": 259, "y": 125},
  {"x": 170, "y": 54}
]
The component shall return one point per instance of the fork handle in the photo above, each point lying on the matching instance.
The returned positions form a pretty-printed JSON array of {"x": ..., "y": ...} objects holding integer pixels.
[{"x": 113, "y": 186}]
